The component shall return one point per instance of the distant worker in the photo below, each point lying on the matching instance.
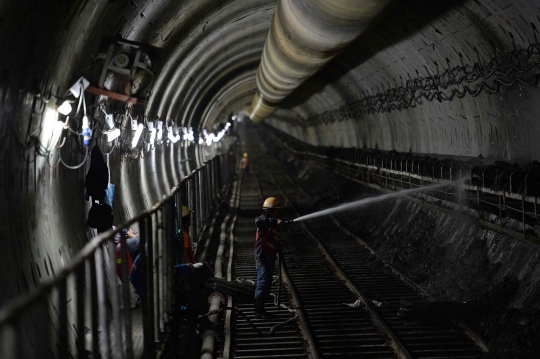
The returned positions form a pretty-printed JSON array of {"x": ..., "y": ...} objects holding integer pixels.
[
  {"x": 244, "y": 165},
  {"x": 189, "y": 256},
  {"x": 266, "y": 247}
]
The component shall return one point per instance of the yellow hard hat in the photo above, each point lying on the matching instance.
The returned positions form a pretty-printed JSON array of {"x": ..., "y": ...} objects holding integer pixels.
[
  {"x": 271, "y": 202},
  {"x": 185, "y": 211},
  {"x": 245, "y": 154}
]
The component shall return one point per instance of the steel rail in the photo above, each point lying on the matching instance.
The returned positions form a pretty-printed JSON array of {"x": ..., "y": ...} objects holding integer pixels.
[
  {"x": 297, "y": 304},
  {"x": 295, "y": 342},
  {"x": 393, "y": 340},
  {"x": 473, "y": 336},
  {"x": 467, "y": 331}
]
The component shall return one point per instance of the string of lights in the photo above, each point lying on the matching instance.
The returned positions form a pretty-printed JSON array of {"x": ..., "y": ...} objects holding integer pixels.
[
  {"x": 518, "y": 67},
  {"x": 77, "y": 130}
]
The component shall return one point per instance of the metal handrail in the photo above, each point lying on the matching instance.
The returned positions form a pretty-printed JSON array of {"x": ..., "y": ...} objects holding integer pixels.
[
  {"x": 158, "y": 226},
  {"x": 405, "y": 177}
]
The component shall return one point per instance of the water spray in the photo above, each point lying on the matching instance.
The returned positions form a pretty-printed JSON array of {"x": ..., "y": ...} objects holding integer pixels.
[{"x": 366, "y": 201}]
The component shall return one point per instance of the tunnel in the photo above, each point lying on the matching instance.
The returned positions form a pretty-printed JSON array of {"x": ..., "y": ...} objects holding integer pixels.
[{"x": 410, "y": 122}]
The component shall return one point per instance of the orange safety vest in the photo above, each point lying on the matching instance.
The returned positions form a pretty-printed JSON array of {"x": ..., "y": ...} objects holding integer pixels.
[
  {"x": 187, "y": 247},
  {"x": 119, "y": 263}
]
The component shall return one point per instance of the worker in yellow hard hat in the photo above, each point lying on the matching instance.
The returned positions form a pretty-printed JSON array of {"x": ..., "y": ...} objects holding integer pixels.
[
  {"x": 244, "y": 165},
  {"x": 266, "y": 247},
  {"x": 189, "y": 256}
]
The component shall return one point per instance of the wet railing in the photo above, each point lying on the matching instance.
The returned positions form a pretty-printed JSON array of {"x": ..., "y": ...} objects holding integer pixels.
[
  {"x": 83, "y": 313},
  {"x": 402, "y": 174}
]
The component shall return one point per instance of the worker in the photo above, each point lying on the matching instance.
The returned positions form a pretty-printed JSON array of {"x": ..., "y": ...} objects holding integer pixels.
[
  {"x": 244, "y": 165},
  {"x": 266, "y": 247},
  {"x": 189, "y": 256}
]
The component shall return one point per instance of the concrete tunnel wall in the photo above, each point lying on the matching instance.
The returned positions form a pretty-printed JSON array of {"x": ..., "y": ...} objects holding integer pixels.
[
  {"x": 206, "y": 71},
  {"x": 405, "y": 44}
]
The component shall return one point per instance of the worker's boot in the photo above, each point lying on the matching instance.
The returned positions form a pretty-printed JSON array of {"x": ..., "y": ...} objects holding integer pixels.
[{"x": 260, "y": 312}]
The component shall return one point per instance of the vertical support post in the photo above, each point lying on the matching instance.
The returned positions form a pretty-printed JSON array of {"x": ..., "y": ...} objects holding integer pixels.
[
  {"x": 167, "y": 255},
  {"x": 9, "y": 341},
  {"x": 200, "y": 203},
  {"x": 179, "y": 247},
  {"x": 523, "y": 211},
  {"x": 102, "y": 299},
  {"x": 157, "y": 231},
  {"x": 91, "y": 292},
  {"x": 535, "y": 210},
  {"x": 460, "y": 189},
  {"x": 117, "y": 348},
  {"x": 208, "y": 190},
  {"x": 147, "y": 291},
  {"x": 193, "y": 196},
  {"x": 126, "y": 288},
  {"x": 153, "y": 280},
  {"x": 80, "y": 310},
  {"x": 63, "y": 320},
  {"x": 478, "y": 199}
]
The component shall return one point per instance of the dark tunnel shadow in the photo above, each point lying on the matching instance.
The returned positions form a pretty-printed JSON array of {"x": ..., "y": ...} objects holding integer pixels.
[{"x": 401, "y": 21}]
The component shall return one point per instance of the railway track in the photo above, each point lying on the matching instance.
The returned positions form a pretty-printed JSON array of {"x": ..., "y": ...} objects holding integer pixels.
[
  {"x": 251, "y": 338},
  {"x": 346, "y": 307}
]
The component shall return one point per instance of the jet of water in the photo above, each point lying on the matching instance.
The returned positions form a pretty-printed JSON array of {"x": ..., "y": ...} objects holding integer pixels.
[{"x": 366, "y": 201}]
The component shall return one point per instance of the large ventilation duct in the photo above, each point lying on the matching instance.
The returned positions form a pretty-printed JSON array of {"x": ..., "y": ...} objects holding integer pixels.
[{"x": 304, "y": 36}]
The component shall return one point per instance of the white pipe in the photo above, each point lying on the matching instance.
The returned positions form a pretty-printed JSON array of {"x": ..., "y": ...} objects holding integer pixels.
[{"x": 209, "y": 339}]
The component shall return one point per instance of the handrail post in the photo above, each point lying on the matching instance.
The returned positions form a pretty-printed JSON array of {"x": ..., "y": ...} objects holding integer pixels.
[
  {"x": 193, "y": 197},
  {"x": 102, "y": 293},
  {"x": 10, "y": 341},
  {"x": 91, "y": 292},
  {"x": 147, "y": 291},
  {"x": 81, "y": 335},
  {"x": 114, "y": 299},
  {"x": 126, "y": 288},
  {"x": 63, "y": 321},
  {"x": 179, "y": 250}
]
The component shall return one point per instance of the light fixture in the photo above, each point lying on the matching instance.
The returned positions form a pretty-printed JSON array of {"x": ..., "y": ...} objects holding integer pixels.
[
  {"x": 152, "y": 131},
  {"x": 209, "y": 139},
  {"x": 188, "y": 134},
  {"x": 78, "y": 88},
  {"x": 112, "y": 134},
  {"x": 171, "y": 135},
  {"x": 86, "y": 131},
  {"x": 65, "y": 108},
  {"x": 219, "y": 136},
  {"x": 137, "y": 136},
  {"x": 109, "y": 120},
  {"x": 159, "y": 135}
]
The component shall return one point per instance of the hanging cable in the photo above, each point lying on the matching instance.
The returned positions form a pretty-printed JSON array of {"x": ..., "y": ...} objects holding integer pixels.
[
  {"x": 73, "y": 167},
  {"x": 495, "y": 76}
]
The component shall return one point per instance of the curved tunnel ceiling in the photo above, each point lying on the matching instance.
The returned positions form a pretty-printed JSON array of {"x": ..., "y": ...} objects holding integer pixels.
[
  {"x": 210, "y": 50},
  {"x": 229, "y": 43}
]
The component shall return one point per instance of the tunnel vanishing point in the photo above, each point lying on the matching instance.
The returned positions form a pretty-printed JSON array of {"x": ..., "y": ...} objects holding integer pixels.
[{"x": 117, "y": 112}]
